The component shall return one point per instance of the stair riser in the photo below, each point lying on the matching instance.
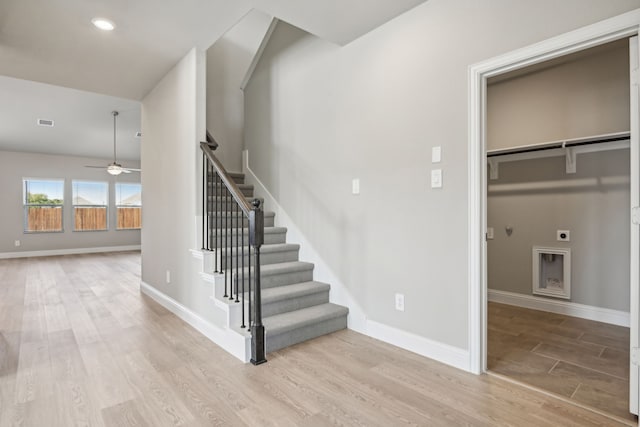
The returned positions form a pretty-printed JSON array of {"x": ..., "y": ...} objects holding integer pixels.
[
  {"x": 222, "y": 221},
  {"x": 297, "y": 303},
  {"x": 269, "y": 239},
  {"x": 237, "y": 179},
  {"x": 265, "y": 258},
  {"x": 282, "y": 279},
  {"x": 229, "y": 205},
  {"x": 274, "y": 343},
  {"x": 212, "y": 190}
]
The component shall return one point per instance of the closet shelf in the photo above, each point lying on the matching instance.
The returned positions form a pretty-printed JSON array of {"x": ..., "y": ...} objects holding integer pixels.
[{"x": 568, "y": 148}]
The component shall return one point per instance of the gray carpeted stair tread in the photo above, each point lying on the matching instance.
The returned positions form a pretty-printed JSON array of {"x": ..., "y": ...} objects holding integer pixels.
[
  {"x": 223, "y": 199},
  {"x": 267, "y": 214},
  {"x": 245, "y": 230},
  {"x": 279, "y": 293},
  {"x": 240, "y": 186},
  {"x": 284, "y": 267},
  {"x": 265, "y": 249},
  {"x": 235, "y": 175},
  {"x": 285, "y": 322}
]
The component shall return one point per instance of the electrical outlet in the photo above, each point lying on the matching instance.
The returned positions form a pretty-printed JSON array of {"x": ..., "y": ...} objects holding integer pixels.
[
  {"x": 400, "y": 302},
  {"x": 16, "y": 243},
  {"x": 563, "y": 235},
  {"x": 168, "y": 276}
]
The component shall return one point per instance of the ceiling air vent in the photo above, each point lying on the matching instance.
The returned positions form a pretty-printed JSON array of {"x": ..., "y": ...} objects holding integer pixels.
[
  {"x": 45, "y": 122},
  {"x": 138, "y": 134}
]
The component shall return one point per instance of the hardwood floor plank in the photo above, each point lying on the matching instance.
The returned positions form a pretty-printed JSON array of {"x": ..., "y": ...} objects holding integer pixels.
[
  {"x": 107, "y": 379},
  {"x": 80, "y": 345},
  {"x": 160, "y": 397},
  {"x": 125, "y": 414},
  {"x": 9, "y": 352}
]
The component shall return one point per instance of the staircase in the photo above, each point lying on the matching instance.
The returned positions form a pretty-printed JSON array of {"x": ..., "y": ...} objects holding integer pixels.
[{"x": 295, "y": 308}]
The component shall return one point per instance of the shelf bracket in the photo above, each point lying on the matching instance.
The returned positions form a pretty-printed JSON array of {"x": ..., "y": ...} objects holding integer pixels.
[
  {"x": 493, "y": 168},
  {"x": 570, "y": 156}
]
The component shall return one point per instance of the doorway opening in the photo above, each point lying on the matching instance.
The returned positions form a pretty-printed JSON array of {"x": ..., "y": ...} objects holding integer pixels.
[
  {"x": 551, "y": 284},
  {"x": 557, "y": 227}
]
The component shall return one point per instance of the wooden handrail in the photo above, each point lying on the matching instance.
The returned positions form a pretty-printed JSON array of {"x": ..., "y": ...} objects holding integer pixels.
[{"x": 226, "y": 178}]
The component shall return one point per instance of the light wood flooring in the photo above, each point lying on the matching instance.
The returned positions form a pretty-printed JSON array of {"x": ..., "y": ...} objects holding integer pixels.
[
  {"x": 582, "y": 360},
  {"x": 79, "y": 345}
]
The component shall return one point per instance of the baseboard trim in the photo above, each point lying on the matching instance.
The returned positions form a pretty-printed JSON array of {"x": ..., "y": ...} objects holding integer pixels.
[
  {"x": 230, "y": 341},
  {"x": 605, "y": 315},
  {"x": 443, "y": 353},
  {"x": 74, "y": 251}
]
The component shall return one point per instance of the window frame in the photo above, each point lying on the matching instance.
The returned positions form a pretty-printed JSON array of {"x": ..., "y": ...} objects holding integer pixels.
[
  {"x": 74, "y": 206},
  {"x": 118, "y": 206},
  {"x": 26, "y": 206}
]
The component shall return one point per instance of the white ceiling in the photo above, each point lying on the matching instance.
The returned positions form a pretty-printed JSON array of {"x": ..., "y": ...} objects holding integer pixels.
[
  {"x": 54, "y": 42},
  {"x": 83, "y": 124},
  {"x": 339, "y": 21}
]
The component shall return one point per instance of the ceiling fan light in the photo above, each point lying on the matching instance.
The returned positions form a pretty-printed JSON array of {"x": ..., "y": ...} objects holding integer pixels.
[{"x": 114, "y": 170}]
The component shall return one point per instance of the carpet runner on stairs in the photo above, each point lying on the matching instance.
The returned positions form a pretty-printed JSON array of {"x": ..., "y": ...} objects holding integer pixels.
[{"x": 295, "y": 307}]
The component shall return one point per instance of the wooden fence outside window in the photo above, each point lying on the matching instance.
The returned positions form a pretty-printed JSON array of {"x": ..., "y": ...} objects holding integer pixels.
[
  {"x": 44, "y": 218},
  {"x": 49, "y": 218}
]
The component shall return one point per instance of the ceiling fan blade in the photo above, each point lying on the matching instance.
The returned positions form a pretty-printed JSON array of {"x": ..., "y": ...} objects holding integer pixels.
[
  {"x": 132, "y": 170},
  {"x": 97, "y": 167},
  {"x": 126, "y": 171}
]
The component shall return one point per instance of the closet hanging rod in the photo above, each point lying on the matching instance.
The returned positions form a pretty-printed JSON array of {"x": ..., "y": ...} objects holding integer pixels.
[{"x": 613, "y": 137}]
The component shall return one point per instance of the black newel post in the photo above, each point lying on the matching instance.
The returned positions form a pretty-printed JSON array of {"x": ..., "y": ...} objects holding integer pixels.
[{"x": 256, "y": 239}]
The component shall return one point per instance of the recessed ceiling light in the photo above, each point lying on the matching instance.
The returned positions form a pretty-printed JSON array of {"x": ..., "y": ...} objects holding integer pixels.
[{"x": 103, "y": 24}]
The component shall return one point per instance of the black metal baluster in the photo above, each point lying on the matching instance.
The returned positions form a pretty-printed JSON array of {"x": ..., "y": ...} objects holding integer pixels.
[
  {"x": 243, "y": 295},
  {"x": 230, "y": 248},
  {"x": 226, "y": 237},
  {"x": 204, "y": 197},
  {"x": 239, "y": 230},
  {"x": 209, "y": 243},
  {"x": 214, "y": 183},
  {"x": 249, "y": 295}
]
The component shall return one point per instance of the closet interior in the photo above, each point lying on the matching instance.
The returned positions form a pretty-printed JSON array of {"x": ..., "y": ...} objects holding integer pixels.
[{"x": 558, "y": 221}]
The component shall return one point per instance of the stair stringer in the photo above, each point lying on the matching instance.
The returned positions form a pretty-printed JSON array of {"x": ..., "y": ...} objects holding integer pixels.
[
  {"x": 339, "y": 294},
  {"x": 234, "y": 339}
]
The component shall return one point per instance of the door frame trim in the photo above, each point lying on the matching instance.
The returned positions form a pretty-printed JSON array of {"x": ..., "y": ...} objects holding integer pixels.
[{"x": 621, "y": 26}]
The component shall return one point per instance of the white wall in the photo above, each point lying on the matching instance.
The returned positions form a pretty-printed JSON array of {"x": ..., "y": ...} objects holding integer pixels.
[
  {"x": 172, "y": 126},
  {"x": 228, "y": 60},
  {"x": 317, "y": 116},
  {"x": 14, "y": 166}
]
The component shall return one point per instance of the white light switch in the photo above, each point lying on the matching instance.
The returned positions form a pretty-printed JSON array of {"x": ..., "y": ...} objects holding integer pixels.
[
  {"x": 436, "y": 178},
  {"x": 489, "y": 233},
  {"x": 168, "y": 276},
  {"x": 436, "y": 154},
  {"x": 400, "y": 302},
  {"x": 355, "y": 186}
]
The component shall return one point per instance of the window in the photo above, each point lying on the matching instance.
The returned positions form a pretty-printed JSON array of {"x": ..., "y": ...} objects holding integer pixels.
[
  {"x": 90, "y": 200},
  {"x": 43, "y": 200},
  {"x": 129, "y": 206}
]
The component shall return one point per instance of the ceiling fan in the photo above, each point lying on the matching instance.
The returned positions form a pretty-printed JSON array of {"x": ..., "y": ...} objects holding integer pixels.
[{"x": 115, "y": 168}]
